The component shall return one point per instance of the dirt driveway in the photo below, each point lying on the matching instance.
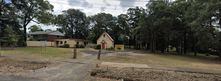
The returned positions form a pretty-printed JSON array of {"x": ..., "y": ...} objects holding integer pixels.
[{"x": 66, "y": 70}]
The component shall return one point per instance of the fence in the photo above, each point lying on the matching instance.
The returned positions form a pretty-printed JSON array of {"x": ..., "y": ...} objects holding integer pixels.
[{"x": 37, "y": 43}]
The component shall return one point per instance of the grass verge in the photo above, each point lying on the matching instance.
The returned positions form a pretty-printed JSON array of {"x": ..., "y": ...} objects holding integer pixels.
[
  {"x": 168, "y": 59},
  {"x": 36, "y": 51}
]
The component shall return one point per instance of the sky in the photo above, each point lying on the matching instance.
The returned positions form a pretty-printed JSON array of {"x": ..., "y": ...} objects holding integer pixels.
[{"x": 92, "y": 7}]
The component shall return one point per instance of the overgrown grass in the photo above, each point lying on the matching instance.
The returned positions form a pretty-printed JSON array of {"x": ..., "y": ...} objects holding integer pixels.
[
  {"x": 36, "y": 51},
  {"x": 171, "y": 59}
]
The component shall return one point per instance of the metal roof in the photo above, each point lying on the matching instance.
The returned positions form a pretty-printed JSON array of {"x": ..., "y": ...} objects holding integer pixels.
[{"x": 47, "y": 33}]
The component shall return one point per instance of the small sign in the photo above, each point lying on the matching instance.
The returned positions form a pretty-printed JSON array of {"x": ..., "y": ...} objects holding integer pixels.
[
  {"x": 119, "y": 47},
  {"x": 43, "y": 43}
]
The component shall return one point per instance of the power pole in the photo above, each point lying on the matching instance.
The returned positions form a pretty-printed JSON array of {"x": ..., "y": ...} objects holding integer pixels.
[{"x": 0, "y": 48}]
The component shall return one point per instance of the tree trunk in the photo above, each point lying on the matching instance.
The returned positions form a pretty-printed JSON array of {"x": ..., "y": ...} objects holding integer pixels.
[
  {"x": 168, "y": 39},
  {"x": 162, "y": 47},
  {"x": 220, "y": 55},
  {"x": 195, "y": 48},
  {"x": 185, "y": 40},
  {"x": 146, "y": 46},
  {"x": 177, "y": 49},
  {"x": 12, "y": 47},
  {"x": 151, "y": 45},
  {"x": 0, "y": 48},
  {"x": 25, "y": 37},
  {"x": 136, "y": 43},
  {"x": 181, "y": 49},
  {"x": 154, "y": 45}
]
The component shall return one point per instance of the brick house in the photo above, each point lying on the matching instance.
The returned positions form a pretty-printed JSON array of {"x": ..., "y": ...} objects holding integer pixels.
[{"x": 46, "y": 36}]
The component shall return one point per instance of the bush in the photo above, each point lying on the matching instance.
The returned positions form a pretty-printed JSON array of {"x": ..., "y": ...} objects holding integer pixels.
[
  {"x": 66, "y": 46},
  {"x": 32, "y": 39},
  {"x": 82, "y": 46},
  {"x": 111, "y": 48},
  {"x": 61, "y": 46},
  {"x": 207, "y": 54},
  {"x": 22, "y": 44},
  {"x": 98, "y": 46},
  {"x": 77, "y": 46}
]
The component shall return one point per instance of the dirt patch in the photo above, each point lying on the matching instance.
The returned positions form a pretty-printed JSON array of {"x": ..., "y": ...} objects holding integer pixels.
[
  {"x": 17, "y": 64},
  {"x": 134, "y": 74}
]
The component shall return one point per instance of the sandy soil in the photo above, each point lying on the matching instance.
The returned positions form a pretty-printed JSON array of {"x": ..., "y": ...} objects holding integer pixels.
[
  {"x": 12, "y": 65},
  {"x": 133, "y": 74}
]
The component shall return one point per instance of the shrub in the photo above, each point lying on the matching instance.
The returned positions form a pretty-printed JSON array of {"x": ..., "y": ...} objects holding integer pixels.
[
  {"x": 77, "y": 46},
  {"x": 98, "y": 46},
  {"x": 111, "y": 48},
  {"x": 61, "y": 46},
  {"x": 22, "y": 44},
  {"x": 207, "y": 54},
  {"x": 82, "y": 46},
  {"x": 32, "y": 39},
  {"x": 66, "y": 45}
]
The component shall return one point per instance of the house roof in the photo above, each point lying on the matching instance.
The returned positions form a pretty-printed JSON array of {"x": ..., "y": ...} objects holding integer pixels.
[
  {"x": 74, "y": 39},
  {"x": 47, "y": 33},
  {"x": 107, "y": 36}
]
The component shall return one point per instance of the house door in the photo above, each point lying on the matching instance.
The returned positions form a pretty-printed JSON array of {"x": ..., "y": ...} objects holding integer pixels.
[
  {"x": 57, "y": 43},
  {"x": 103, "y": 45}
]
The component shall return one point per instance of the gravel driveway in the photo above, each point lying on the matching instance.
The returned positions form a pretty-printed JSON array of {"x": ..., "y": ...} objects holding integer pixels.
[
  {"x": 120, "y": 53},
  {"x": 67, "y": 70}
]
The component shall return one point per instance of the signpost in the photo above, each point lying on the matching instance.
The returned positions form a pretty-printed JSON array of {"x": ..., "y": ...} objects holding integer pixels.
[
  {"x": 119, "y": 48},
  {"x": 43, "y": 43}
]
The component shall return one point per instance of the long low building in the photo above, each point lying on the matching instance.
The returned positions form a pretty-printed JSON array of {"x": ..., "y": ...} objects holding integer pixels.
[{"x": 53, "y": 38}]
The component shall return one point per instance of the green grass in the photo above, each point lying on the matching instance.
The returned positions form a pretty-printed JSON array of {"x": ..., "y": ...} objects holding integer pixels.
[
  {"x": 171, "y": 59},
  {"x": 36, "y": 51}
]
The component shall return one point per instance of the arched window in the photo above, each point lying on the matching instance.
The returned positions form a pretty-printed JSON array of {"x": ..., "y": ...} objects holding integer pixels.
[{"x": 104, "y": 35}]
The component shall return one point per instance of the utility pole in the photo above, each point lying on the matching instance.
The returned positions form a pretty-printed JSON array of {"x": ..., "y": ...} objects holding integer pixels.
[{"x": 0, "y": 47}]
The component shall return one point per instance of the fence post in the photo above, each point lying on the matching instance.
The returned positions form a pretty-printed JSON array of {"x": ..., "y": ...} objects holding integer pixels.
[
  {"x": 99, "y": 54},
  {"x": 75, "y": 53}
]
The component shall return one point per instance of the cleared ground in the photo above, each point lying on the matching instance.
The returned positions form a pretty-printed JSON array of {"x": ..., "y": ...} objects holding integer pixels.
[
  {"x": 104, "y": 73},
  {"x": 167, "y": 59},
  {"x": 36, "y": 51},
  {"x": 9, "y": 64}
]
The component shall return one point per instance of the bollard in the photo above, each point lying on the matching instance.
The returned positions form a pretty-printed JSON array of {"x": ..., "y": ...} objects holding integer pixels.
[
  {"x": 75, "y": 53},
  {"x": 99, "y": 54}
]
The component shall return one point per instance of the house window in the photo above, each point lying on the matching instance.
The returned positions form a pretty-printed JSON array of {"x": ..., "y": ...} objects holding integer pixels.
[
  {"x": 61, "y": 42},
  {"x": 58, "y": 36},
  {"x": 77, "y": 42},
  {"x": 104, "y": 35},
  {"x": 65, "y": 42}
]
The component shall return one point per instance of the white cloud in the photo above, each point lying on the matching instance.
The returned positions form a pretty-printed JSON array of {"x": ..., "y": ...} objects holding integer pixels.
[{"x": 91, "y": 7}]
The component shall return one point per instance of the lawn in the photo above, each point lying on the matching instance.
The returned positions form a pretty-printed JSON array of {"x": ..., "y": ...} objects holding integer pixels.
[
  {"x": 171, "y": 59},
  {"x": 36, "y": 51}
]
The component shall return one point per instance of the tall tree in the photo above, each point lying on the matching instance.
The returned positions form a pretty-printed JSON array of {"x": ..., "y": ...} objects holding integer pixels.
[
  {"x": 31, "y": 10},
  {"x": 10, "y": 37},
  {"x": 34, "y": 28},
  {"x": 122, "y": 22},
  {"x": 133, "y": 20},
  {"x": 160, "y": 17},
  {"x": 209, "y": 18},
  {"x": 74, "y": 23},
  {"x": 101, "y": 22},
  {"x": 48, "y": 30}
]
